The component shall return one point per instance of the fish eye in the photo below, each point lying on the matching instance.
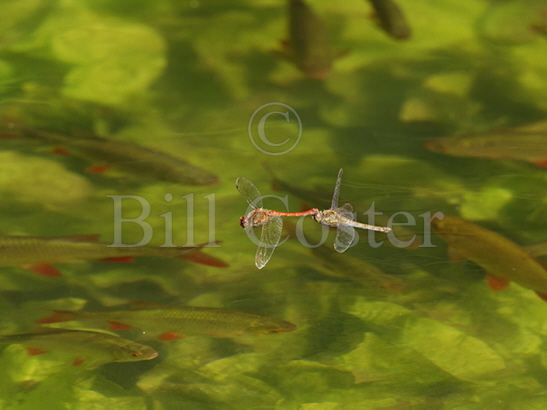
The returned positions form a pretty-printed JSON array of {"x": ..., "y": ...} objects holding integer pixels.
[{"x": 136, "y": 354}]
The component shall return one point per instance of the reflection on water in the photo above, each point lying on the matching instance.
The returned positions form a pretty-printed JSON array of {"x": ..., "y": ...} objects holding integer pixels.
[{"x": 396, "y": 321}]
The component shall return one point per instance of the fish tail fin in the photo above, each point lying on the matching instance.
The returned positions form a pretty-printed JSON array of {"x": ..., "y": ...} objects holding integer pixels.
[{"x": 57, "y": 316}]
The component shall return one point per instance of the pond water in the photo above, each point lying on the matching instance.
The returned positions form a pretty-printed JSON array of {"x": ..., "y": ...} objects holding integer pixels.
[{"x": 394, "y": 322}]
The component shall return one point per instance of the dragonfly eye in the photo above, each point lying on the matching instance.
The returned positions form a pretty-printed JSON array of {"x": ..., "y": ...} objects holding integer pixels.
[{"x": 243, "y": 222}]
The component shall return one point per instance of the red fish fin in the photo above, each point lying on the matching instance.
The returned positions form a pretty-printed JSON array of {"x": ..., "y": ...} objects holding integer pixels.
[
  {"x": 170, "y": 336},
  {"x": 543, "y": 296},
  {"x": 199, "y": 257},
  {"x": 57, "y": 316},
  {"x": 98, "y": 169},
  {"x": 62, "y": 151},
  {"x": 497, "y": 284},
  {"x": 119, "y": 326},
  {"x": 119, "y": 259},
  {"x": 34, "y": 351},
  {"x": 43, "y": 269},
  {"x": 541, "y": 163},
  {"x": 78, "y": 361}
]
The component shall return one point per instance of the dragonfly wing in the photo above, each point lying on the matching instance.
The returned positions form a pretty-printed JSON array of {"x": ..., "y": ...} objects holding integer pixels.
[
  {"x": 249, "y": 192},
  {"x": 344, "y": 238},
  {"x": 346, "y": 211},
  {"x": 336, "y": 190},
  {"x": 271, "y": 233}
]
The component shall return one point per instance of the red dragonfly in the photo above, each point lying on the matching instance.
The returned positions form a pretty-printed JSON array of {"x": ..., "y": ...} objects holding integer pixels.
[{"x": 271, "y": 221}]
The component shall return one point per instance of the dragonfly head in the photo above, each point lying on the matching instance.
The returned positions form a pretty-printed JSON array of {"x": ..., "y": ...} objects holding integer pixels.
[
  {"x": 244, "y": 221},
  {"x": 317, "y": 217}
]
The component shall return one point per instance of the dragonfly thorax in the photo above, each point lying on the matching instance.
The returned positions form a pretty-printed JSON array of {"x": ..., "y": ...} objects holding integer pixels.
[{"x": 327, "y": 217}]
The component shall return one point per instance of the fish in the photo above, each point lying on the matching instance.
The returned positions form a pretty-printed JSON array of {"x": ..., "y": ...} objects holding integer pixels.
[
  {"x": 85, "y": 347},
  {"x": 125, "y": 156},
  {"x": 346, "y": 267},
  {"x": 357, "y": 270},
  {"x": 391, "y": 19},
  {"x": 506, "y": 145},
  {"x": 503, "y": 260},
  {"x": 308, "y": 45},
  {"x": 171, "y": 323},
  {"x": 37, "y": 254}
]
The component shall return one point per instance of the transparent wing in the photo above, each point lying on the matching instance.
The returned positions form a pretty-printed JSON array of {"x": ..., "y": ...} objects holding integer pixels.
[
  {"x": 346, "y": 211},
  {"x": 344, "y": 238},
  {"x": 249, "y": 192},
  {"x": 336, "y": 190},
  {"x": 271, "y": 233}
]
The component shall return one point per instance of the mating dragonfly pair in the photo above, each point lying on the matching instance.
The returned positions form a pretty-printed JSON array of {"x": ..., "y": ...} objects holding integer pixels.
[{"x": 272, "y": 224}]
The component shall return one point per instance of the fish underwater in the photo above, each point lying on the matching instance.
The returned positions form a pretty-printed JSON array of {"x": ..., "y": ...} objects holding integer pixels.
[
  {"x": 308, "y": 45},
  {"x": 391, "y": 19},
  {"x": 130, "y": 158},
  {"x": 37, "y": 254},
  {"x": 507, "y": 145},
  {"x": 171, "y": 323},
  {"x": 83, "y": 347},
  {"x": 357, "y": 270},
  {"x": 503, "y": 260},
  {"x": 330, "y": 263}
]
